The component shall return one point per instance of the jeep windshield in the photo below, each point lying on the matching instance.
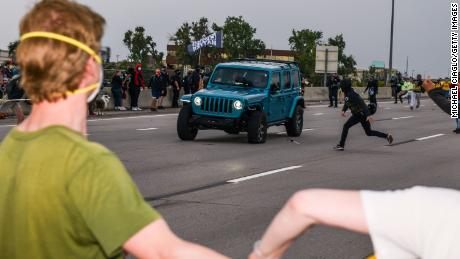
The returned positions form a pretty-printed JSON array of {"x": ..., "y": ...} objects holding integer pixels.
[{"x": 240, "y": 77}]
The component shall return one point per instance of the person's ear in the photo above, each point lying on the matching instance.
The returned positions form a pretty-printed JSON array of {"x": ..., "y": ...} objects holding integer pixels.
[{"x": 91, "y": 73}]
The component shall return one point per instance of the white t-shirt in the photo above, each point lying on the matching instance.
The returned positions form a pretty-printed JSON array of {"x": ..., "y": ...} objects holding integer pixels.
[{"x": 420, "y": 222}]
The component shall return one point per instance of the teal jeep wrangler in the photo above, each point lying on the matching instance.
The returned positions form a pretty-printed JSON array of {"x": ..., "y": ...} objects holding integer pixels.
[{"x": 246, "y": 96}]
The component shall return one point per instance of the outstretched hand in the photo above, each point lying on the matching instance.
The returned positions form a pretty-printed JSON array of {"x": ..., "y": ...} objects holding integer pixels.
[
  {"x": 370, "y": 119},
  {"x": 343, "y": 114},
  {"x": 428, "y": 85}
]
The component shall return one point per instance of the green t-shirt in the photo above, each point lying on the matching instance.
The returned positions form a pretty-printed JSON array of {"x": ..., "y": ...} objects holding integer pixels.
[{"x": 62, "y": 196}]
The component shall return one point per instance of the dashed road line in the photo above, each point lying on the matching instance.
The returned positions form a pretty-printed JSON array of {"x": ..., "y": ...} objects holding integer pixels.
[
  {"x": 134, "y": 117},
  {"x": 317, "y": 114},
  {"x": 417, "y": 139},
  {"x": 147, "y": 129},
  {"x": 238, "y": 180},
  {"x": 7, "y": 126},
  {"x": 218, "y": 184},
  {"x": 429, "y": 137},
  {"x": 401, "y": 118}
]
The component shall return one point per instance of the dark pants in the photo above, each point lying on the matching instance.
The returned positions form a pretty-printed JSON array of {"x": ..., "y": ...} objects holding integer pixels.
[
  {"x": 187, "y": 89},
  {"x": 333, "y": 96},
  {"x": 117, "y": 95},
  {"x": 373, "y": 98},
  {"x": 394, "y": 93},
  {"x": 355, "y": 119},
  {"x": 134, "y": 95},
  {"x": 175, "y": 101}
]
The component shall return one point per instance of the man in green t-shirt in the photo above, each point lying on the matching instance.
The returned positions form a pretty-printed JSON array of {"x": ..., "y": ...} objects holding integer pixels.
[{"x": 62, "y": 196}]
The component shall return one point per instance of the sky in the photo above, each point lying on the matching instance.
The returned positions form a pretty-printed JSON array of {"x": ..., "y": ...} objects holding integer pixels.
[{"x": 422, "y": 27}]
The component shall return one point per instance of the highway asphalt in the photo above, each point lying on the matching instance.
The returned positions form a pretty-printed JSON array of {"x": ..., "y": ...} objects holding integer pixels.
[{"x": 202, "y": 189}]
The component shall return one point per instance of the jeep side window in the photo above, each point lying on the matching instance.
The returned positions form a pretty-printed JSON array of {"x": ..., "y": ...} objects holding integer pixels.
[
  {"x": 276, "y": 82},
  {"x": 287, "y": 79},
  {"x": 295, "y": 78}
]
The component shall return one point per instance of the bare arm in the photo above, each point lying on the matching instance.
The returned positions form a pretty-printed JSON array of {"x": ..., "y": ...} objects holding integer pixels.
[
  {"x": 157, "y": 241},
  {"x": 342, "y": 209}
]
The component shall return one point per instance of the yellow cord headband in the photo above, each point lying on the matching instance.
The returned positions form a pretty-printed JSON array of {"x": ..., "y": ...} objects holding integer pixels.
[
  {"x": 84, "y": 90},
  {"x": 59, "y": 37}
]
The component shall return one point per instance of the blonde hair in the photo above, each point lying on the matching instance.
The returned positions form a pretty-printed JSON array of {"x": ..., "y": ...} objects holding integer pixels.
[{"x": 50, "y": 68}]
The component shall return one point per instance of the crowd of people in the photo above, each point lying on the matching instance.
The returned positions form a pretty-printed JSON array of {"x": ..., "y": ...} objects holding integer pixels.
[
  {"x": 130, "y": 83},
  {"x": 62, "y": 196},
  {"x": 10, "y": 88}
]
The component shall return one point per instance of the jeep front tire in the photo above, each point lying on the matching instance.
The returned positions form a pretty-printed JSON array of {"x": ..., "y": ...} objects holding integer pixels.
[
  {"x": 185, "y": 131},
  {"x": 294, "y": 125},
  {"x": 257, "y": 127}
]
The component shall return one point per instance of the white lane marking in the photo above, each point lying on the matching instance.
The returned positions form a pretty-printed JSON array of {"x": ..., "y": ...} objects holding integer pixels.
[
  {"x": 401, "y": 118},
  {"x": 147, "y": 129},
  {"x": 7, "y": 126},
  {"x": 387, "y": 108},
  {"x": 263, "y": 174},
  {"x": 134, "y": 117},
  {"x": 317, "y": 114},
  {"x": 284, "y": 132},
  {"x": 432, "y": 136}
]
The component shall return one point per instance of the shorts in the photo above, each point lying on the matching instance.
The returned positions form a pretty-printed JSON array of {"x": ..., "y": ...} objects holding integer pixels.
[{"x": 156, "y": 94}]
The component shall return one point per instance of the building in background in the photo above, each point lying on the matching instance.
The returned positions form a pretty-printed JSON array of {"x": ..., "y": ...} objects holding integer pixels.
[{"x": 4, "y": 56}]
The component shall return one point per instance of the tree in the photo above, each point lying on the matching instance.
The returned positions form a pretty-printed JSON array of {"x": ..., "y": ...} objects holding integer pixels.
[
  {"x": 303, "y": 43},
  {"x": 347, "y": 64},
  {"x": 239, "y": 38},
  {"x": 182, "y": 38},
  {"x": 12, "y": 46},
  {"x": 141, "y": 47}
]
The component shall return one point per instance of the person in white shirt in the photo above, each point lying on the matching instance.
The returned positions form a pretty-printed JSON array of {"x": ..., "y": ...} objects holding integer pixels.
[{"x": 420, "y": 222}]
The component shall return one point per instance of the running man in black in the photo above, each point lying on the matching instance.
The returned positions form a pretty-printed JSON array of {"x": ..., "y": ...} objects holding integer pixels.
[{"x": 360, "y": 114}]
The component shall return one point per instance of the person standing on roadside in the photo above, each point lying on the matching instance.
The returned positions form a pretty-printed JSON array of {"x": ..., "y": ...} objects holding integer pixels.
[
  {"x": 15, "y": 92},
  {"x": 395, "y": 87},
  {"x": 176, "y": 86},
  {"x": 333, "y": 87},
  {"x": 117, "y": 82},
  {"x": 136, "y": 84},
  {"x": 156, "y": 84},
  {"x": 62, "y": 196},
  {"x": 372, "y": 89},
  {"x": 359, "y": 114},
  {"x": 196, "y": 80},
  {"x": 418, "y": 90},
  {"x": 164, "y": 92}
]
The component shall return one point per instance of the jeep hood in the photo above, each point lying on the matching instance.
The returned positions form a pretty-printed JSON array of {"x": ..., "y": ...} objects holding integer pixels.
[{"x": 249, "y": 94}]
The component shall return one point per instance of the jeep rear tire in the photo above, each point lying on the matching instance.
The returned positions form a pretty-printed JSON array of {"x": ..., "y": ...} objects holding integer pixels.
[
  {"x": 185, "y": 131},
  {"x": 257, "y": 127},
  {"x": 294, "y": 125}
]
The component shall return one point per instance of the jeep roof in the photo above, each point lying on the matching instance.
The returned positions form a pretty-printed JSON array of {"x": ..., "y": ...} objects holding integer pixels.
[{"x": 260, "y": 64}]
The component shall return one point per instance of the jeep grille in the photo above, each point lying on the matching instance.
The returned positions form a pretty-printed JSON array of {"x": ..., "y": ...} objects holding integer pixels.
[{"x": 217, "y": 105}]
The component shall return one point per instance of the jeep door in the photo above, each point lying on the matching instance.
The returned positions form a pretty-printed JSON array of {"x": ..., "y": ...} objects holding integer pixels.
[
  {"x": 288, "y": 92},
  {"x": 293, "y": 92},
  {"x": 276, "y": 100}
]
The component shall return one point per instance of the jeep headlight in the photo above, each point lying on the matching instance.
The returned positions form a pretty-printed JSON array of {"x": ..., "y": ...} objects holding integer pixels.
[
  {"x": 197, "y": 101},
  {"x": 238, "y": 105}
]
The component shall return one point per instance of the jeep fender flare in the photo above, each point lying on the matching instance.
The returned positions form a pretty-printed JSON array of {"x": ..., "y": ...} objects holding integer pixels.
[
  {"x": 297, "y": 101},
  {"x": 187, "y": 98}
]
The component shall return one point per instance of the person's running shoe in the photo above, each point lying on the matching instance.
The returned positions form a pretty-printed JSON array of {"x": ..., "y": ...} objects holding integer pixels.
[
  {"x": 457, "y": 131},
  {"x": 339, "y": 148},
  {"x": 390, "y": 139},
  {"x": 122, "y": 108}
]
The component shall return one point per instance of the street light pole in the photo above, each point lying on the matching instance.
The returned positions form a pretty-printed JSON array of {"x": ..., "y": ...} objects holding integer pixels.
[{"x": 391, "y": 38}]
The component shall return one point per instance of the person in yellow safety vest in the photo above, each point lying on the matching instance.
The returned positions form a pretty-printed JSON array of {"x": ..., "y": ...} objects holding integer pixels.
[
  {"x": 406, "y": 86},
  {"x": 445, "y": 84}
]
